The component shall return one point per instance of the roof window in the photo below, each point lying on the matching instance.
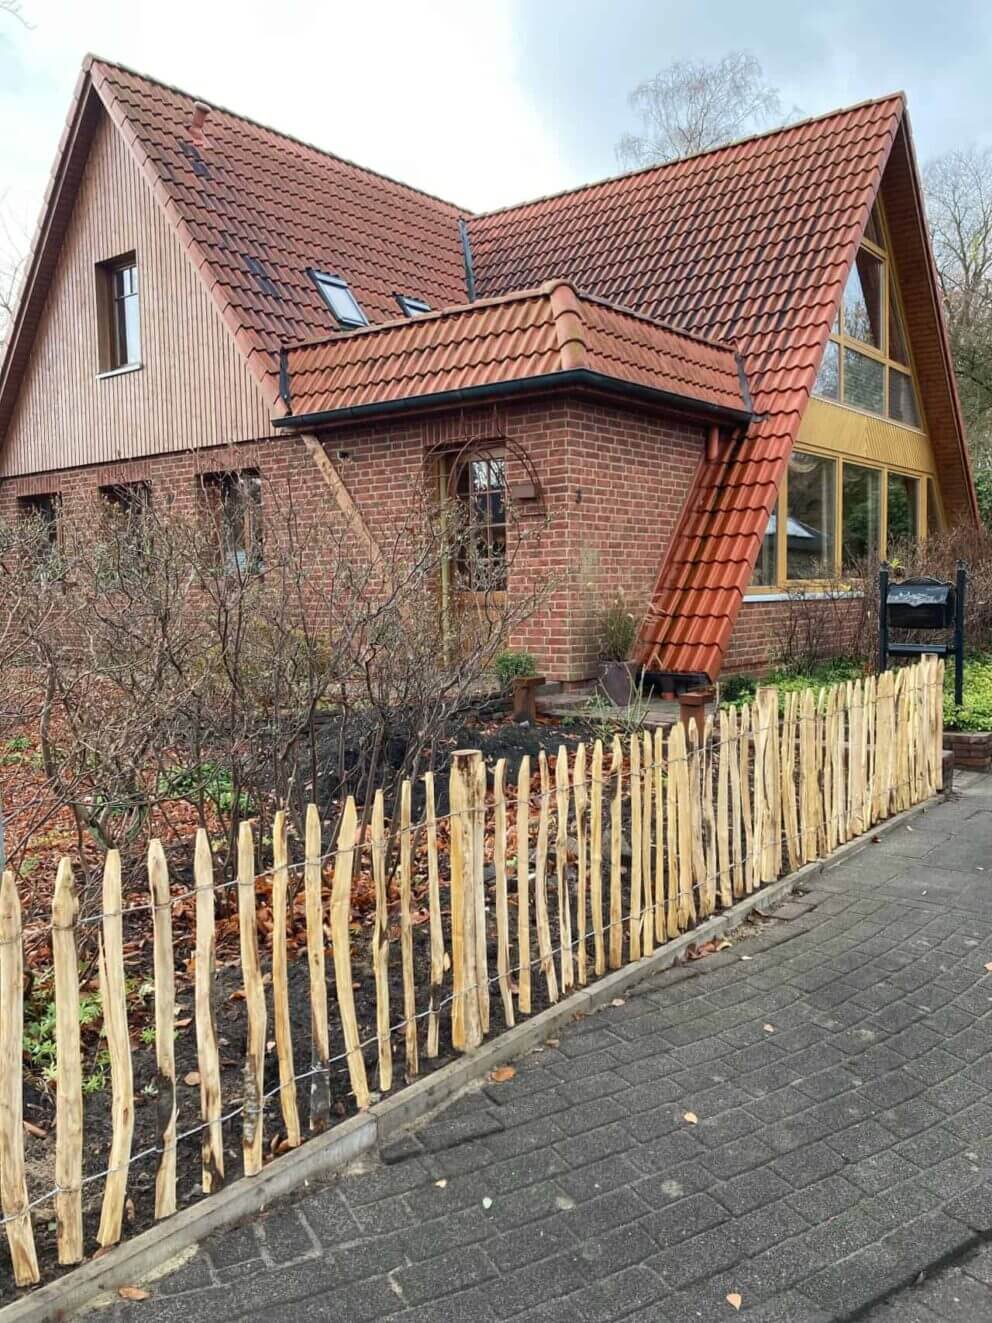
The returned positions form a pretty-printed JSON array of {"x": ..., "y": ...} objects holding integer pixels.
[
  {"x": 412, "y": 307},
  {"x": 339, "y": 298}
]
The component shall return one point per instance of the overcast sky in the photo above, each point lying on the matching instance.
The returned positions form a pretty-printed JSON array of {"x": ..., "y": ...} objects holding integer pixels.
[{"x": 483, "y": 103}]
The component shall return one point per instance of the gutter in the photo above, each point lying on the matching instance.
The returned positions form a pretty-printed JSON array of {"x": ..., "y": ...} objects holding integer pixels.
[{"x": 584, "y": 377}]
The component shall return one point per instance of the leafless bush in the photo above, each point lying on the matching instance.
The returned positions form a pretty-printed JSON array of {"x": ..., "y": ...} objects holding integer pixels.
[
  {"x": 841, "y": 618},
  {"x": 170, "y": 669}
]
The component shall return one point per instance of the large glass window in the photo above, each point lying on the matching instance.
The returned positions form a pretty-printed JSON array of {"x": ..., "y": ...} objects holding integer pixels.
[
  {"x": 902, "y": 514},
  {"x": 902, "y": 398},
  {"x": 481, "y": 491},
  {"x": 766, "y": 569},
  {"x": 866, "y": 363},
  {"x": 827, "y": 384},
  {"x": 861, "y": 515},
  {"x": 864, "y": 381},
  {"x": 862, "y": 309},
  {"x": 810, "y": 523}
]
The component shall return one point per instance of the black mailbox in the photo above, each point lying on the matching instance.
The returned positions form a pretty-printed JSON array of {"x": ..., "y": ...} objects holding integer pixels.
[{"x": 921, "y": 604}]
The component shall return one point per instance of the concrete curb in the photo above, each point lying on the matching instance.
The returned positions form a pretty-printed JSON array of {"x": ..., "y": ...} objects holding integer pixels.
[{"x": 133, "y": 1260}]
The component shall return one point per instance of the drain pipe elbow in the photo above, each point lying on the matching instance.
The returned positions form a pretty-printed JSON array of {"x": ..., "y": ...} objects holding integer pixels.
[{"x": 712, "y": 443}]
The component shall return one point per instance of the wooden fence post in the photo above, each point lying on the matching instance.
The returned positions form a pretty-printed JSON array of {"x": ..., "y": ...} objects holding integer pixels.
[
  {"x": 461, "y": 865},
  {"x": 672, "y": 808},
  {"x": 744, "y": 776},
  {"x": 636, "y": 852},
  {"x": 437, "y": 931},
  {"x": 208, "y": 1059},
  {"x": 254, "y": 1067},
  {"x": 344, "y": 865},
  {"x": 68, "y": 1060},
  {"x": 615, "y": 943},
  {"x": 478, "y": 818},
  {"x": 165, "y": 1028},
  {"x": 13, "y": 1183},
  {"x": 709, "y": 817},
  {"x": 502, "y": 897},
  {"x": 541, "y": 883},
  {"x": 320, "y": 1039},
  {"x": 660, "y": 894},
  {"x": 725, "y": 754},
  {"x": 523, "y": 886},
  {"x": 732, "y": 753},
  {"x": 410, "y": 1043},
  {"x": 561, "y": 869},
  {"x": 280, "y": 980},
  {"x": 114, "y": 996},
  {"x": 596, "y": 858},
  {"x": 647, "y": 775},
  {"x": 581, "y": 795},
  {"x": 380, "y": 944}
]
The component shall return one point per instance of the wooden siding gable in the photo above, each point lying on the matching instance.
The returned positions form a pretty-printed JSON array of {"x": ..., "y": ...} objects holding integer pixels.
[{"x": 194, "y": 388}]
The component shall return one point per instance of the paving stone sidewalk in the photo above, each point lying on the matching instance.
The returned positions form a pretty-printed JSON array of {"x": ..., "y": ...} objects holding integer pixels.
[{"x": 840, "y": 1076}]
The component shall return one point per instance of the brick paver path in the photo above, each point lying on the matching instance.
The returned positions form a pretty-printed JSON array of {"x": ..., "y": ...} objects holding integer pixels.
[{"x": 841, "y": 1081}]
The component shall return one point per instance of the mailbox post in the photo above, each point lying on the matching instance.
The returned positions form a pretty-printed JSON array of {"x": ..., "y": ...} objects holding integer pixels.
[{"x": 923, "y": 603}]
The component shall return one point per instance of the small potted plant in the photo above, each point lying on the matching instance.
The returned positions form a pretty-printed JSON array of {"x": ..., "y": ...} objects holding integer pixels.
[
  {"x": 617, "y": 674},
  {"x": 517, "y": 672}
]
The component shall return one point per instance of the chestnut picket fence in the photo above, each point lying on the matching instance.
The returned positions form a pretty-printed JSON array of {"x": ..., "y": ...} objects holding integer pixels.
[{"x": 530, "y": 891}]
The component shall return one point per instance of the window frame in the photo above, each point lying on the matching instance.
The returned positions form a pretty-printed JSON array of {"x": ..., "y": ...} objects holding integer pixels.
[
  {"x": 781, "y": 581},
  {"x": 891, "y": 297},
  {"x": 411, "y": 306},
  {"x": 112, "y": 349},
  {"x": 321, "y": 279},
  {"x": 214, "y": 490}
]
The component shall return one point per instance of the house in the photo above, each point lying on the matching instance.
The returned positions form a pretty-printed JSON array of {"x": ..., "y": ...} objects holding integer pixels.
[{"x": 671, "y": 367}]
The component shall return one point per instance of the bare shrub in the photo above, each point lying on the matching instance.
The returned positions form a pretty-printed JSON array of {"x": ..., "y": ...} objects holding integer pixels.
[{"x": 174, "y": 664}]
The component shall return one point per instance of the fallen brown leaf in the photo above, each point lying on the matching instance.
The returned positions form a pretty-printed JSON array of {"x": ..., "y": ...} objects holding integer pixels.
[
  {"x": 132, "y": 1293},
  {"x": 192, "y": 1078},
  {"x": 184, "y": 1024},
  {"x": 502, "y": 1073},
  {"x": 35, "y": 1130},
  {"x": 989, "y": 967},
  {"x": 690, "y": 1118},
  {"x": 734, "y": 1300}
]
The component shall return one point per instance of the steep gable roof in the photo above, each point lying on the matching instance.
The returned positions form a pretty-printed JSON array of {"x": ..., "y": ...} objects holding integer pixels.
[
  {"x": 530, "y": 336},
  {"x": 248, "y": 197},
  {"x": 749, "y": 243}
]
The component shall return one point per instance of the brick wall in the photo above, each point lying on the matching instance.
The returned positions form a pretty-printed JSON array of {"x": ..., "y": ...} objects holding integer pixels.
[
  {"x": 762, "y": 629},
  {"x": 612, "y": 481}
]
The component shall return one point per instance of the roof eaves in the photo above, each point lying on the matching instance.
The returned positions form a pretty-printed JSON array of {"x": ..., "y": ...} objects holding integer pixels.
[{"x": 580, "y": 377}]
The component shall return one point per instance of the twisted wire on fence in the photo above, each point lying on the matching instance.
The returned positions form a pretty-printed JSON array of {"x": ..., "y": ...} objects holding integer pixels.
[
  {"x": 707, "y": 883},
  {"x": 535, "y": 799}
]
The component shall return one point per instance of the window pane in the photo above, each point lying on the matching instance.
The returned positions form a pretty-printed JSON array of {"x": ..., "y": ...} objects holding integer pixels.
[
  {"x": 827, "y": 384},
  {"x": 863, "y": 300},
  {"x": 766, "y": 568},
  {"x": 873, "y": 230},
  {"x": 861, "y": 513},
  {"x": 128, "y": 344},
  {"x": 810, "y": 527},
  {"x": 864, "y": 381},
  {"x": 902, "y": 399},
  {"x": 934, "y": 522},
  {"x": 902, "y": 495},
  {"x": 341, "y": 302},
  {"x": 897, "y": 336}
]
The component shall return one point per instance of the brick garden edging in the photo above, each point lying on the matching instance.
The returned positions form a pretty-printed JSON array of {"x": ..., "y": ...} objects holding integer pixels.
[
  {"x": 135, "y": 1259},
  {"x": 971, "y": 749}
]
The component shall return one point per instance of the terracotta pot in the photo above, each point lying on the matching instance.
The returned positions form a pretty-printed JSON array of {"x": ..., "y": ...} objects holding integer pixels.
[{"x": 619, "y": 679}]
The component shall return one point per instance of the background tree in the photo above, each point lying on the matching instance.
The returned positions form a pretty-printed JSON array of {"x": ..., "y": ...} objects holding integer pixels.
[
  {"x": 692, "y": 105},
  {"x": 959, "y": 202}
]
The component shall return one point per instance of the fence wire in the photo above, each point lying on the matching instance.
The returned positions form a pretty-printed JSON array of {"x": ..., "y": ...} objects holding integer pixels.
[{"x": 708, "y": 883}]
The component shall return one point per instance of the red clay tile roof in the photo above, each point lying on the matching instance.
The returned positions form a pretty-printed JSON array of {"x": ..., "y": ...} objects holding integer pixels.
[
  {"x": 248, "y": 192},
  {"x": 516, "y": 338},
  {"x": 750, "y": 243}
]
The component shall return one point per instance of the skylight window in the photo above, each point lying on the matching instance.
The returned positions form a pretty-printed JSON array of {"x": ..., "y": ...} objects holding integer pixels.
[
  {"x": 339, "y": 298},
  {"x": 412, "y": 307}
]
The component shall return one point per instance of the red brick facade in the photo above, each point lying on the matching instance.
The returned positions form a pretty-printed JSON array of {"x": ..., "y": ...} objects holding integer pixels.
[
  {"x": 612, "y": 481},
  {"x": 761, "y": 633}
]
